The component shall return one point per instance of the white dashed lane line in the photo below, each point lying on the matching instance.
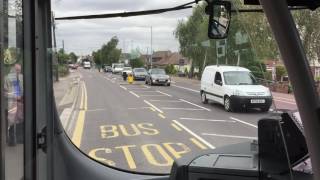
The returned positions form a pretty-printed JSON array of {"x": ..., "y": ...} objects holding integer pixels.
[
  {"x": 153, "y": 106},
  {"x": 229, "y": 136},
  {"x": 181, "y": 87},
  {"x": 194, "y": 134},
  {"x": 164, "y": 93},
  {"x": 208, "y": 120},
  {"x": 195, "y": 105},
  {"x": 135, "y": 94},
  {"x": 243, "y": 122}
]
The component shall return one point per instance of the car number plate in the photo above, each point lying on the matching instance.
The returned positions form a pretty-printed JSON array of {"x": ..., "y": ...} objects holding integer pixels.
[
  {"x": 258, "y": 101},
  {"x": 162, "y": 80}
]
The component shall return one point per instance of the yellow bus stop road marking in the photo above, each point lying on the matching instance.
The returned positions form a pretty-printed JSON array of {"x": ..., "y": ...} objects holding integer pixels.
[
  {"x": 78, "y": 131},
  {"x": 161, "y": 115},
  {"x": 197, "y": 143},
  {"x": 176, "y": 127}
]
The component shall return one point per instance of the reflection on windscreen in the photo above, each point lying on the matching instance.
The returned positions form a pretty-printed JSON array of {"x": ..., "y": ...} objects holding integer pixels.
[
  {"x": 239, "y": 78},
  {"x": 143, "y": 122}
]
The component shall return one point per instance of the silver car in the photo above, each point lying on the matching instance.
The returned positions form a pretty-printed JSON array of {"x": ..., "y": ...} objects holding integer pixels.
[
  {"x": 139, "y": 74},
  {"x": 158, "y": 76}
]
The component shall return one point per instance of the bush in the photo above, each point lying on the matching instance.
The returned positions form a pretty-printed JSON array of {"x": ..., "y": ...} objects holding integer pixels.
[
  {"x": 63, "y": 70},
  {"x": 170, "y": 69}
]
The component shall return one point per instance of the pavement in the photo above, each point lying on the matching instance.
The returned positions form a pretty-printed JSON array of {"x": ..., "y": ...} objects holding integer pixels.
[{"x": 144, "y": 128}]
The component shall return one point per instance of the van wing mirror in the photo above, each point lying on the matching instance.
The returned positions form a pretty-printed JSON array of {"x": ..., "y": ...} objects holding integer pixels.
[
  {"x": 219, "y": 82},
  {"x": 219, "y": 18}
]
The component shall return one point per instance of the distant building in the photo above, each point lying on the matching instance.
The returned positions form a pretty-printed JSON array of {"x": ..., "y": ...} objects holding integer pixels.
[
  {"x": 315, "y": 68},
  {"x": 163, "y": 58}
]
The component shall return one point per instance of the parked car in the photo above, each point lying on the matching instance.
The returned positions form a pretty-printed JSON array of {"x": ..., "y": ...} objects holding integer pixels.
[
  {"x": 139, "y": 74},
  {"x": 127, "y": 70},
  {"x": 87, "y": 65},
  {"x": 234, "y": 87},
  {"x": 107, "y": 69},
  {"x": 73, "y": 66},
  {"x": 158, "y": 76}
]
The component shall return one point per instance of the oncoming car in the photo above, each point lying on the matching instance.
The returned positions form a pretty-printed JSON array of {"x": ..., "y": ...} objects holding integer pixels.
[
  {"x": 158, "y": 76},
  {"x": 234, "y": 87}
]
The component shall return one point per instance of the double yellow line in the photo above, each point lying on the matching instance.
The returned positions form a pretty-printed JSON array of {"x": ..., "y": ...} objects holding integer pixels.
[{"x": 78, "y": 130}]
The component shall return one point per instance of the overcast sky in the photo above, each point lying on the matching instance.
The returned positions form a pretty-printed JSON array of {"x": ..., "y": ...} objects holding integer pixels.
[{"x": 84, "y": 36}]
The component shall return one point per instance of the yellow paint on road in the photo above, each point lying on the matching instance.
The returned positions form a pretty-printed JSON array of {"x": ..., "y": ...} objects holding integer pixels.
[
  {"x": 93, "y": 154},
  {"x": 176, "y": 127},
  {"x": 161, "y": 115},
  {"x": 128, "y": 155},
  {"x": 197, "y": 143},
  {"x": 78, "y": 131},
  {"x": 146, "y": 149}
]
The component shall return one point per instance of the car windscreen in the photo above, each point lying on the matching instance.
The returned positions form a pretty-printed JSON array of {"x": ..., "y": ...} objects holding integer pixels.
[
  {"x": 239, "y": 78},
  {"x": 118, "y": 66},
  {"x": 158, "y": 71},
  {"x": 139, "y": 70}
]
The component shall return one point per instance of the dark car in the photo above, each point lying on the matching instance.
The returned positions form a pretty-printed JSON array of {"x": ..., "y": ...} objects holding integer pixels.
[
  {"x": 107, "y": 69},
  {"x": 139, "y": 74},
  {"x": 158, "y": 76}
]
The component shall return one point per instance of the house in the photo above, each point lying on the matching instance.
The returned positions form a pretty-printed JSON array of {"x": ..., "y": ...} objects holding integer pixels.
[
  {"x": 315, "y": 68},
  {"x": 163, "y": 58}
]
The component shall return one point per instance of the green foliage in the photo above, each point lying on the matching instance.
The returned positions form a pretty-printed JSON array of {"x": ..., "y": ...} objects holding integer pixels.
[
  {"x": 257, "y": 68},
  {"x": 280, "y": 72},
  {"x": 73, "y": 57},
  {"x": 170, "y": 69},
  {"x": 63, "y": 70},
  {"x": 136, "y": 63},
  {"x": 62, "y": 56},
  {"x": 108, "y": 53},
  {"x": 186, "y": 71}
]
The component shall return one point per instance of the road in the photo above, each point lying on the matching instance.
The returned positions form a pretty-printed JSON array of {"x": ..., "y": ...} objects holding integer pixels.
[{"x": 144, "y": 128}]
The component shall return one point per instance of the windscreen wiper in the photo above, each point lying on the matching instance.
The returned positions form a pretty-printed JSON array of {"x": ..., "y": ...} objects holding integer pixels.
[{"x": 130, "y": 14}]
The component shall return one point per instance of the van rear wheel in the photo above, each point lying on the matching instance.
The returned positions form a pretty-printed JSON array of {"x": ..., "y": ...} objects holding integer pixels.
[
  {"x": 204, "y": 99},
  {"x": 227, "y": 104}
]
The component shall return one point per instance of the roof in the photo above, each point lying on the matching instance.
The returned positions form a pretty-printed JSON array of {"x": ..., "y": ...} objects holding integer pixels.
[
  {"x": 171, "y": 58},
  {"x": 227, "y": 68}
]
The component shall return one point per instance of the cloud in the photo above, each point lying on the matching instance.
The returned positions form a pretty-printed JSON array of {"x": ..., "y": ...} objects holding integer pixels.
[{"x": 84, "y": 36}]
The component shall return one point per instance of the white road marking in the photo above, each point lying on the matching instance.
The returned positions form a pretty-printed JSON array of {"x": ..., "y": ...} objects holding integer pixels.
[
  {"x": 94, "y": 110},
  {"x": 164, "y": 93},
  {"x": 139, "y": 108},
  {"x": 194, "y": 134},
  {"x": 153, "y": 106},
  {"x": 210, "y": 120},
  {"x": 123, "y": 87},
  {"x": 146, "y": 86},
  {"x": 173, "y": 101},
  {"x": 195, "y": 105},
  {"x": 137, "y": 91},
  {"x": 229, "y": 136},
  {"x": 152, "y": 95},
  {"x": 243, "y": 122},
  {"x": 197, "y": 91},
  {"x": 134, "y": 94},
  {"x": 186, "y": 109}
]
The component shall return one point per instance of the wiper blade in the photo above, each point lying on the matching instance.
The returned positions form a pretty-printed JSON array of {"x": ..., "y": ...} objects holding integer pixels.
[{"x": 129, "y": 14}]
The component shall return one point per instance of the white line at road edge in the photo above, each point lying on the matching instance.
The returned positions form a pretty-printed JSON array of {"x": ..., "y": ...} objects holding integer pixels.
[
  {"x": 154, "y": 107},
  {"x": 210, "y": 120},
  {"x": 195, "y": 135},
  {"x": 134, "y": 94},
  {"x": 164, "y": 93},
  {"x": 195, "y": 104},
  {"x": 243, "y": 122},
  {"x": 197, "y": 91},
  {"x": 229, "y": 136},
  {"x": 187, "y": 109}
]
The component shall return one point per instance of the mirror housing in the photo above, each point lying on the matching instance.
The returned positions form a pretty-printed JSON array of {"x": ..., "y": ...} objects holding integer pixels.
[
  {"x": 218, "y": 82},
  {"x": 219, "y": 18}
]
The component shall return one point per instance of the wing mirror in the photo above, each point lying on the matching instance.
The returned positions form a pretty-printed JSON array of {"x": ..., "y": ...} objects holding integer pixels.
[{"x": 219, "y": 18}]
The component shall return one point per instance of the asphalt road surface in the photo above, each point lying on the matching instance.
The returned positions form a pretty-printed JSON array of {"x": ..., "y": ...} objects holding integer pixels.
[{"x": 144, "y": 128}]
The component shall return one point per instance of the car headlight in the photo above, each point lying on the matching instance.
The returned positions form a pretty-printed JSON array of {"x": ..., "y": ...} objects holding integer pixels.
[
  {"x": 268, "y": 93},
  {"x": 153, "y": 80},
  {"x": 239, "y": 93}
]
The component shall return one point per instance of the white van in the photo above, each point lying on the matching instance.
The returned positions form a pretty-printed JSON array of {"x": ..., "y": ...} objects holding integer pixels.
[
  {"x": 117, "y": 68},
  {"x": 234, "y": 87},
  {"x": 87, "y": 65}
]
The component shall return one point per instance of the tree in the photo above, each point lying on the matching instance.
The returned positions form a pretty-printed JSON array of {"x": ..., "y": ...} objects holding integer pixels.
[
  {"x": 108, "y": 53},
  {"x": 73, "y": 57},
  {"x": 136, "y": 63},
  {"x": 62, "y": 56},
  {"x": 280, "y": 72}
]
